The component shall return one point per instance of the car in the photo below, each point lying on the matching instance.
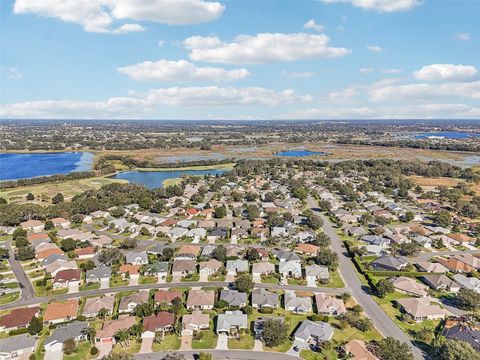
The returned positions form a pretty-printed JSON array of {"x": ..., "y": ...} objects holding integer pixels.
[{"x": 296, "y": 348}]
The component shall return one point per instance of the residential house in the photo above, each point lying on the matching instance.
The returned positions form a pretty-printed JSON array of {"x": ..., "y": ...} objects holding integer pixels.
[
  {"x": 441, "y": 282},
  {"x": 459, "y": 329},
  {"x": 58, "y": 265},
  {"x": 358, "y": 350},
  {"x": 18, "y": 318},
  {"x": 316, "y": 272},
  {"x": 216, "y": 234},
  {"x": 232, "y": 323},
  {"x": 85, "y": 253},
  {"x": 17, "y": 347},
  {"x": 283, "y": 256},
  {"x": 355, "y": 231},
  {"x": 210, "y": 267},
  {"x": 194, "y": 322},
  {"x": 32, "y": 225},
  {"x": 234, "y": 297},
  {"x": 99, "y": 274},
  {"x": 158, "y": 269},
  {"x": 129, "y": 302},
  {"x": 140, "y": 258},
  {"x": 389, "y": 263},
  {"x": 290, "y": 269},
  {"x": 60, "y": 222},
  {"x": 57, "y": 312},
  {"x": 177, "y": 232},
  {"x": 187, "y": 252},
  {"x": 431, "y": 267},
  {"x": 461, "y": 239},
  {"x": 75, "y": 330},
  {"x": 181, "y": 268},
  {"x": 454, "y": 265},
  {"x": 237, "y": 266},
  {"x": 263, "y": 268},
  {"x": 307, "y": 249},
  {"x": 163, "y": 321},
  {"x": 67, "y": 278},
  {"x": 106, "y": 335},
  {"x": 263, "y": 298},
  {"x": 313, "y": 333},
  {"x": 200, "y": 299},
  {"x": 95, "y": 304},
  {"x": 133, "y": 271},
  {"x": 470, "y": 283},
  {"x": 297, "y": 304},
  {"x": 421, "y": 309},
  {"x": 409, "y": 286},
  {"x": 196, "y": 234},
  {"x": 167, "y": 296},
  {"x": 329, "y": 305}
]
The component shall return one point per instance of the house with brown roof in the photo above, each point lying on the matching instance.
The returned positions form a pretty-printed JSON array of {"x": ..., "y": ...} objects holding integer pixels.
[
  {"x": 60, "y": 222},
  {"x": 129, "y": 302},
  {"x": 167, "y": 296},
  {"x": 461, "y": 239},
  {"x": 263, "y": 268},
  {"x": 32, "y": 225},
  {"x": 468, "y": 259},
  {"x": 421, "y": 309},
  {"x": 432, "y": 267},
  {"x": 85, "y": 253},
  {"x": 187, "y": 252},
  {"x": 308, "y": 249},
  {"x": 38, "y": 236},
  {"x": 358, "y": 350},
  {"x": 41, "y": 255},
  {"x": 95, "y": 304},
  {"x": 18, "y": 318},
  {"x": 194, "y": 322},
  {"x": 409, "y": 286},
  {"x": 60, "y": 311},
  {"x": 454, "y": 265},
  {"x": 181, "y": 268},
  {"x": 67, "y": 278},
  {"x": 132, "y": 270},
  {"x": 210, "y": 267},
  {"x": 106, "y": 335},
  {"x": 163, "y": 321},
  {"x": 200, "y": 299},
  {"x": 329, "y": 305}
]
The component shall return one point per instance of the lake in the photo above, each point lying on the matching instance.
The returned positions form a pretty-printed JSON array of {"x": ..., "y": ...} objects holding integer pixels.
[
  {"x": 15, "y": 166},
  {"x": 446, "y": 135},
  {"x": 155, "y": 179},
  {"x": 300, "y": 153}
]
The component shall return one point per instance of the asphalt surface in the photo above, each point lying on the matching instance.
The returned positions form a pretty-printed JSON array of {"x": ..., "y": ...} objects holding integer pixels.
[
  {"x": 360, "y": 292},
  {"x": 222, "y": 354},
  {"x": 25, "y": 285}
]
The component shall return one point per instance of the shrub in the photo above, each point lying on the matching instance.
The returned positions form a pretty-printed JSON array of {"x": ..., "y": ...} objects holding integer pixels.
[
  {"x": 265, "y": 311},
  {"x": 17, "y": 331},
  {"x": 94, "y": 351}
]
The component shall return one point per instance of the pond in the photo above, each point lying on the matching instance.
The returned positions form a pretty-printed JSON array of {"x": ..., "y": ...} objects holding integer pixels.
[
  {"x": 155, "y": 179},
  {"x": 14, "y": 166},
  {"x": 301, "y": 153},
  {"x": 446, "y": 135}
]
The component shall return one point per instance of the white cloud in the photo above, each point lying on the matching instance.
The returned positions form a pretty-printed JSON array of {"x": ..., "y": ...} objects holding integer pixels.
[
  {"x": 144, "y": 105},
  {"x": 298, "y": 75},
  {"x": 446, "y": 72},
  {"x": 384, "y": 6},
  {"x": 12, "y": 73},
  {"x": 311, "y": 24},
  {"x": 161, "y": 43},
  {"x": 390, "y": 71},
  {"x": 262, "y": 48},
  {"x": 374, "y": 48},
  {"x": 463, "y": 36},
  {"x": 418, "y": 92},
  {"x": 345, "y": 95},
  {"x": 100, "y": 15},
  {"x": 182, "y": 70},
  {"x": 367, "y": 70}
]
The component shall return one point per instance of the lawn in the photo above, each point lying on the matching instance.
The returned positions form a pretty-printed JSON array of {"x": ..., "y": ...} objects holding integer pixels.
[
  {"x": 207, "y": 340},
  {"x": 116, "y": 281},
  {"x": 132, "y": 348},
  {"x": 169, "y": 342},
  {"x": 190, "y": 277},
  {"x": 335, "y": 281},
  {"x": 89, "y": 286},
  {"x": 35, "y": 274},
  {"x": 301, "y": 282},
  {"x": 83, "y": 352},
  {"x": 245, "y": 342},
  {"x": 147, "y": 280},
  {"x": 325, "y": 354},
  {"x": 270, "y": 279},
  {"x": 8, "y": 298}
]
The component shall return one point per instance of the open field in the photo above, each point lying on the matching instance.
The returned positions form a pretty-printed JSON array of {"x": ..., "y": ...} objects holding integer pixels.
[
  {"x": 442, "y": 181},
  {"x": 44, "y": 192}
]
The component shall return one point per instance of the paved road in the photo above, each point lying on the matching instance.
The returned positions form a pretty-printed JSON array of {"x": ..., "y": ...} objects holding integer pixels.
[
  {"x": 222, "y": 354},
  {"x": 380, "y": 319},
  {"x": 38, "y": 300},
  {"x": 22, "y": 278}
]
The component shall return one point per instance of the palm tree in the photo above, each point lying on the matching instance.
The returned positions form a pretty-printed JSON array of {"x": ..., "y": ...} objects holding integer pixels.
[
  {"x": 136, "y": 330},
  {"x": 90, "y": 332},
  {"x": 122, "y": 336}
]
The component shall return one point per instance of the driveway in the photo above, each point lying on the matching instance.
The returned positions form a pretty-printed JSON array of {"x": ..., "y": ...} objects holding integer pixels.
[
  {"x": 301, "y": 345},
  {"x": 186, "y": 342},
  {"x": 133, "y": 281},
  {"x": 146, "y": 346},
  {"x": 230, "y": 278},
  {"x": 203, "y": 276},
  {"x": 258, "y": 345},
  {"x": 53, "y": 355},
  {"x": 222, "y": 343},
  {"x": 104, "y": 349},
  {"x": 104, "y": 283},
  {"x": 311, "y": 282},
  {"x": 73, "y": 287},
  {"x": 257, "y": 278}
]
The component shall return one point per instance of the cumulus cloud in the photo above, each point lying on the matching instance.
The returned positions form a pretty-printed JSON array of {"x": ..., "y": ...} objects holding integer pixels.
[
  {"x": 311, "y": 24},
  {"x": 446, "y": 72},
  {"x": 182, "y": 70},
  {"x": 144, "y": 105},
  {"x": 298, "y": 75},
  {"x": 384, "y": 6},
  {"x": 12, "y": 73},
  {"x": 367, "y": 70},
  {"x": 262, "y": 48},
  {"x": 463, "y": 36},
  {"x": 374, "y": 48},
  {"x": 100, "y": 15}
]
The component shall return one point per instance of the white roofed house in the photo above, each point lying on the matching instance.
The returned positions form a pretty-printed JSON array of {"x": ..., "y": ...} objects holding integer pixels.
[
  {"x": 297, "y": 304},
  {"x": 140, "y": 258},
  {"x": 290, "y": 269},
  {"x": 232, "y": 323},
  {"x": 329, "y": 305},
  {"x": 316, "y": 272},
  {"x": 313, "y": 333},
  {"x": 234, "y": 267},
  {"x": 421, "y": 309},
  {"x": 177, "y": 232}
]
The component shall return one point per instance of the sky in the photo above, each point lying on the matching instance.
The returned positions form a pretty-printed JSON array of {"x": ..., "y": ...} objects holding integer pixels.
[{"x": 239, "y": 59}]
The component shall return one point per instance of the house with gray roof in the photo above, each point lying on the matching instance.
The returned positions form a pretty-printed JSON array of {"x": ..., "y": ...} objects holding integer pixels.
[
  {"x": 389, "y": 263},
  {"x": 207, "y": 250},
  {"x": 234, "y": 267},
  {"x": 20, "y": 346},
  {"x": 263, "y": 298},
  {"x": 98, "y": 274},
  {"x": 297, "y": 304},
  {"x": 177, "y": 232},
  {"x": 313, "y": 333},
  {"x": 136, "y": 258},
  {"x": 283, "y": 255},
  {"x": 75, "y": 330},
  {"x": 470, "y": 283},
  {"x": 441, "y": 282},
  {"x": 231, "y": 323},
  {"x": 317, "y": 272},
  {"x": 234, "y": 297},
  {"x": 290, "y": 269},
  {"x": 159, "y": 269}
]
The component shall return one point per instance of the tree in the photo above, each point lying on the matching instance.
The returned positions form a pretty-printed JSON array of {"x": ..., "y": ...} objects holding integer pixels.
[
  {"x": 451, "y": 349},
  {"x": 393, "y": 349},
  {"x": 19, "y": 232},
  {"x": 30, "y": 197},
  {"x": 204, "y": 356},
  {"x": 327, "y": 258},
  {"x": 91, "y": 333},
  {"x": 57, "y": 199},
  {"x": 21, "y": 242},
  {"x": 144, "y": 231},
  {"x": 69, "y": 346},
  {"x": 77, "y": 219},
  {"x": 177, "y": 305},
  {"x": 384, "y": 287},
  {"x": 3, "y": 201},
  {"x": 25, "y": 253},
  {"x": 68, "y": 244},
  {"x": 410, "y": 249},
  {"x": 468, "y": 299},
  {"x": 244, "y": 282},
  {"x": 117, "y": 212},
  {"x": 167, "y": 254},
  {"x": 128, "y": 243},
  {"x": 409, "y": 216},
  {"x": 118, "y": 356},
  {"x": 443, "y": 218},
  {"x": 252, "y": 254},
  {"x": 322, "y": 240},
  {"x": 174, "y": 356},
  {"x": 110, "y": 256},
  {"x": 252, "y": 211},
  {"x": 220, "y": 211},
  {"x": 143, "y": 310},
  {"x": 48, "y": 225},
  {"x": 300, "y": 192},
  {"x": 275, "y": 332},
  {"x": 35, "y": 326},
  {"x": 220, "y": 253},
  {"x": 145, "y": 203},
  {"x": 314, "y": 221},
  {"x": 425, "y": 335}
]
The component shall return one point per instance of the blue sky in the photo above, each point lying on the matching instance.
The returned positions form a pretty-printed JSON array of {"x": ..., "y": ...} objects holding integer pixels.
[{"x": 195, "y": 59}]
